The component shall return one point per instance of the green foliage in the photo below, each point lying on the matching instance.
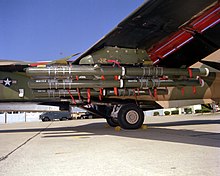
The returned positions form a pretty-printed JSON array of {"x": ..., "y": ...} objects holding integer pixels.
[
  {"x": 188, "y": 110},
  {"x": 167, "y": 113},
  {"x": 175, "y": 112},
  {"x": 156, "y": 113},
  {"x": 205, "y": 109},
  {"x": 198, "y": 111}
]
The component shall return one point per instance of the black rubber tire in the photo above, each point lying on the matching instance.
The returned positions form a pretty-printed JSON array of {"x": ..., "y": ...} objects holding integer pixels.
[
  {"x": 112, "y": 122},
  {"x": 45, "y": 119},
  {"x": 63, "y": 119},
  {"x": 106, "y": 111},
  {"x": 128, "y": 111}
]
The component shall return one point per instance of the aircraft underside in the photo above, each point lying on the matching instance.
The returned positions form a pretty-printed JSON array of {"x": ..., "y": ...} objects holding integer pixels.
[
  {"x": 144, "y": 63},
  {"x": 117, "y": 92}
]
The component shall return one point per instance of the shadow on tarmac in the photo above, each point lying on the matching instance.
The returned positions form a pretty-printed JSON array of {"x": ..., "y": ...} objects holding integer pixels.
[
  {"x": 155, "y": 131},
  {"x": 183, "y": 123}
]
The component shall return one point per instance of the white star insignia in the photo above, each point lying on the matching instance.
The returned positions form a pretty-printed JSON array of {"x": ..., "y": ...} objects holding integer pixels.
[{"x": 7, "y": 82}]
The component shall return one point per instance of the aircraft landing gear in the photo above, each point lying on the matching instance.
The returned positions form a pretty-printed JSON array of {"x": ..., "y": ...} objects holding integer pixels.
[
  {"x": 112, "y": 120},
  {"x": 130, "y": 116}
]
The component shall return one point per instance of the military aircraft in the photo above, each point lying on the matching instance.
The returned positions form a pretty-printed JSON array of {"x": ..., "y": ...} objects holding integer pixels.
[{"x": 164, "y": 54}]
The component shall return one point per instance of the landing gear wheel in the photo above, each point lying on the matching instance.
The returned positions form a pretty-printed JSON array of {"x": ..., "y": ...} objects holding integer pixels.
[
  {"x": 112, "y": 122},
  {"x": 130, "y": 116}
]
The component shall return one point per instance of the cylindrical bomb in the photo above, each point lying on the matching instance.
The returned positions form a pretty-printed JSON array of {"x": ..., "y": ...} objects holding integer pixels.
[
  {"x": 106, "y": 92},
  {"x": 63, "y": 93},
  {"x": 133, "y": 92},
  {"x": 135, "y": 83},
  {"x": 68, "y": 71}
]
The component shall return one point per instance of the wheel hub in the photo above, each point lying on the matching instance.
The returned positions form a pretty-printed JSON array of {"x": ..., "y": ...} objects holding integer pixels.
[{"x": 132, "y": 117}]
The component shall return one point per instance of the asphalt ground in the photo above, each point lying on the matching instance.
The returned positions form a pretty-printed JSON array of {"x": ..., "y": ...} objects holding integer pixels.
[{"x": 169, "y": 145}]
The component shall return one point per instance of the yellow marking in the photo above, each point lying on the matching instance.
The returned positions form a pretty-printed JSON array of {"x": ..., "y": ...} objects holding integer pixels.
[
  {"x": 144, "y": 127},
  {"x": 41, "y": 66},
  {"x": 117, "y": 128},
  {"x": 147, "y": 62}
]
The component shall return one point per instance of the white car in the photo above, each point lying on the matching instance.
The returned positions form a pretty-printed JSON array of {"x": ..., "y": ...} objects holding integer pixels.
[{"x": 59, "y": 115}]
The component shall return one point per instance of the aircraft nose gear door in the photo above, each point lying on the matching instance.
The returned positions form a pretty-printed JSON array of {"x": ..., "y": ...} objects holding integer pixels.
[{"x": 130, "y": 116}]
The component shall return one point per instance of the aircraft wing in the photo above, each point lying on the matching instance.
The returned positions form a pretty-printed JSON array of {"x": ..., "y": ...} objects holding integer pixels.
[
  {"x": 15, "y": 65},
  {"x": 162, "y": 27}
]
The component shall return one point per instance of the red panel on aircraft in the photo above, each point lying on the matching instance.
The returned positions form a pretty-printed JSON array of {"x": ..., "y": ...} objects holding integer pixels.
[
  {"x": 200, "y": 23},
  {"x": 169, "y": 45}
]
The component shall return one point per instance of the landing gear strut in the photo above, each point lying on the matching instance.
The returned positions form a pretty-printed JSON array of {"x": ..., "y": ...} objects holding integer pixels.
[{"x": 112, "y": 120}]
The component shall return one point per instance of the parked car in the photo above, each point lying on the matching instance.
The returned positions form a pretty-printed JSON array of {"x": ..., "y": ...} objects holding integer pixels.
[
  {"x": 59, "y": 115},
  {"x": 87, "y": 115}
]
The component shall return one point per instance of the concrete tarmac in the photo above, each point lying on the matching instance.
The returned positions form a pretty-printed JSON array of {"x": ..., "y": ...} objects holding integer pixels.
[{"x": 171, "y": 145}]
